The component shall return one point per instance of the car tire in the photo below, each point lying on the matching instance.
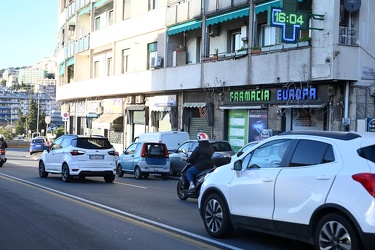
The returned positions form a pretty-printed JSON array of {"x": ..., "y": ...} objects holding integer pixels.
[
  {"x": 336, "y": 232},
  {"x": 109, "y": 178},
  {"x": 180, "y": 193},
  {"x": 138, "y": 173},
  {"x": 216, "y": 217},
  {"x": 119, "y": 171},
  {"x": 65, "y": 175},
  {"x": 42, "y": 170}
]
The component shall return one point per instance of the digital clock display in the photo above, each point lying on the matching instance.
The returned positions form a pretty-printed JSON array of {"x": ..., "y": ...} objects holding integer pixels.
[{"x": 290, "y": 22}]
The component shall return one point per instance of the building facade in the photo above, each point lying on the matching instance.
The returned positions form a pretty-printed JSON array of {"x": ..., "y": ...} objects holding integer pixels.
[{"x": 238, "y": 70}]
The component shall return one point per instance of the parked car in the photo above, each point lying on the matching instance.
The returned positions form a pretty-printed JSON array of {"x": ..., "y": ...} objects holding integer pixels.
[
  {"x": 143, "y": 159},
  {"x": 37, "y": 145},
  {"x": 313, "y": 186},
  {"x": 221, "y": 156},
  {"x": 79, "y": 156}
]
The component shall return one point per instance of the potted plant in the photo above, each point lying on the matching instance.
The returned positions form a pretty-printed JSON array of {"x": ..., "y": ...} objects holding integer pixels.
[
  {"x": 304, "y": 41},
  {"x": 255, "y": 50}
]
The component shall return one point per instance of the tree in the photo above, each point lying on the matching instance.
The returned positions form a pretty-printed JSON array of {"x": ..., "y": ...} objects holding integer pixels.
[
  {"x": 3, "y": 82},
  {"x": 32, "y": 115}
]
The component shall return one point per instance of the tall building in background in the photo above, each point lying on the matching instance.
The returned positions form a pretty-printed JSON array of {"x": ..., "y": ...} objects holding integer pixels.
[{"x": 238, "y": 70}]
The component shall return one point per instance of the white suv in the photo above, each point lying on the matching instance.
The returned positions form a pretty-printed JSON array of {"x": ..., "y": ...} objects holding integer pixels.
[
  {"x": 79, "y": 156},
  {"x": 313, "y": 186}
]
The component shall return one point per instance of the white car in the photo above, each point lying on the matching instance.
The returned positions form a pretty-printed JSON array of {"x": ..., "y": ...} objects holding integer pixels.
[
  {"x": 312, "y": 186},
  {"x": 79, "y": 156}
]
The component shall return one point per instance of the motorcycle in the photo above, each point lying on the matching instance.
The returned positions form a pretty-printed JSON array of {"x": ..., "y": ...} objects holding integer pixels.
[
  {"x": 2, "y": 157},
  {"x": 183, "y": 191}
]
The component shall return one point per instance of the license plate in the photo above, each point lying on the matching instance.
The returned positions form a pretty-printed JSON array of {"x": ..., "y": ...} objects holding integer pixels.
[{"x": 96, "y": 157}]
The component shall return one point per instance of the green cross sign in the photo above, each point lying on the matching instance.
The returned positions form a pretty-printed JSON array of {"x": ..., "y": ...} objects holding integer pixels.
[{"x": 290, "y": 19}]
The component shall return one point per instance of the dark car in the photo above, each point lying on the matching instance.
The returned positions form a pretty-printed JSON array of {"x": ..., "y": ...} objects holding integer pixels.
[
  {"x": 37, "y": 145},
  {"x": 222, "y": 155}
]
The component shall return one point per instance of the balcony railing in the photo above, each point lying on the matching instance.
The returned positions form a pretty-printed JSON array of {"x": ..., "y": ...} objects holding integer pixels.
[{"x": 348, "y": 36}]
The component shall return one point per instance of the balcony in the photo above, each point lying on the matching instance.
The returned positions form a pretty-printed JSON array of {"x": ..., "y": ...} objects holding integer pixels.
[
  {"x": 213, "y": 6},
  {"x": 182, "y": 12}
]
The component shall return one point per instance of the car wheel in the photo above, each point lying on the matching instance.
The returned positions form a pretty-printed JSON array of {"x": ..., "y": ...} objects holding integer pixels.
[
  {"x": 336, "y": 232},
  {"x": 164, "y": 176},
  {"x": 137, "y": 173},
  {"x": 146, "y": 175},
  {"x": 65, "y": 175},
  {"x": 42, "y": 170},
  {"x": 216, "y": 217},
  {"x": 180, "y": 191},
  {"x": 119, "y": 171},
  {"x": 109, "y": 178}
]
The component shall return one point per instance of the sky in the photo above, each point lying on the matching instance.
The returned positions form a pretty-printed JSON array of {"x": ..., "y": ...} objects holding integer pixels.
[{"x": 28, "y": 31}]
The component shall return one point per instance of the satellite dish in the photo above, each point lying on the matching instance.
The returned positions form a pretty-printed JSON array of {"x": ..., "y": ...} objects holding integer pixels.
[{"x": 352, "y": 5}]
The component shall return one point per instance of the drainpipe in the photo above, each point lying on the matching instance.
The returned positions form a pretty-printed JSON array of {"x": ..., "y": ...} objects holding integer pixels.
[{"x": 346, "y": 111}]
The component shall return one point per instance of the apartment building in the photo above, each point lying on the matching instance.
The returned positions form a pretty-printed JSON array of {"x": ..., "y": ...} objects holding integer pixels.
[{"x": 237, "y": 69}]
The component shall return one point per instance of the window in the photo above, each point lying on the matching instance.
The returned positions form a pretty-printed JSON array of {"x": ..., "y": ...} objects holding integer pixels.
[
  {"x": 125, "y": 61},
  {"x": 96, "y": 69},
  {"x": 152, "y": 53},
  {"x": 302, "y": 156},
  {"x": 97, "y": 23},
  {"x": 126, "y": 9},
  {"x": 235, "y": 40},
  {"x": 269, "y": 35},
  {"x": 152, "y": 4},
  {"x": 268, "y": 155},
  {"x": 131, "y": 149},
  {"x": 110, "y": 17},
  {"x": 109, "y": 66}
]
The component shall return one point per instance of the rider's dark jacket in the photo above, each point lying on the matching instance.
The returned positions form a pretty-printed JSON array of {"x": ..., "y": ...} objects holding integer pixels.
[{"x": 201, "y": 156}]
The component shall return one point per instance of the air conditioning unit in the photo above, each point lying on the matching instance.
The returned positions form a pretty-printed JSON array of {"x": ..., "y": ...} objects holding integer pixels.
[
  {"x": 139, "y": 99},
  {"x": 214, "y": 30},
  {"x": 156, "y": 62}
]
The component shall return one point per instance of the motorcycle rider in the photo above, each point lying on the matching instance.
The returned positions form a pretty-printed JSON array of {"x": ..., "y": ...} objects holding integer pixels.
[
  {"x": 200, "y": 159},
  {"x": 3, "y": 146}
]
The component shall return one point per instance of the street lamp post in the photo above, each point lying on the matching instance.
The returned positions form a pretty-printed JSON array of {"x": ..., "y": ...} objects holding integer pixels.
[{"x": 37, "y": 119}]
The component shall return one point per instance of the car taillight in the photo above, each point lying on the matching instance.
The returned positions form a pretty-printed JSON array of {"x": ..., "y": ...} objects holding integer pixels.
[
  {"x": 77, "y": 152},
  {"x": 166, "y": 152},
  {"x": 144, "y": 151},
  {"x": 367, "y": 180},
  {"x": 113, "y": 152}
]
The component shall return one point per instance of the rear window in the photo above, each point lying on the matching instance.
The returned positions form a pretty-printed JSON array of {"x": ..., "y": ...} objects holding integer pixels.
[
  {"x": 368, "y": 153},
  {"x": 38, "y": 141},
  {"x": 221, "y": 146},
  {"x": 155, "y": 149},
  {"x": 91, "y": 143}
]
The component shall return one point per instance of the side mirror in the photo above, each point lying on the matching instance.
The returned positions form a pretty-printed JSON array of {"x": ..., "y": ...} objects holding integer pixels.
[
  {"x": 237, "y": 165},
  {"x": 46, "y": 148}
]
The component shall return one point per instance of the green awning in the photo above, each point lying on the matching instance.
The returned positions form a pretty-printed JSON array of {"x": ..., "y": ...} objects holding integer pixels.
[
  {"x": 195, "y": 24},
  {"x": 84, "y": 11},
  {"x": 62, "y": 69},
  {"x": 268, "y": 5},
  {"x": 227, "y": 16},
  {"x": 70, "y": 62}
]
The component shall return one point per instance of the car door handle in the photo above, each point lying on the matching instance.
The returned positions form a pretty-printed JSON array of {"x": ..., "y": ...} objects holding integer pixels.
[
  {"x": 267, "y": 179},
  {"x": 323, "y": 177}
]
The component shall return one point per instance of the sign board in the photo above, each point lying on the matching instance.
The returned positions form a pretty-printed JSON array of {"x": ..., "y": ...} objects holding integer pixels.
[
  {"x": 65, "y": 116},
  {"x": 47, "y": 119}
]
